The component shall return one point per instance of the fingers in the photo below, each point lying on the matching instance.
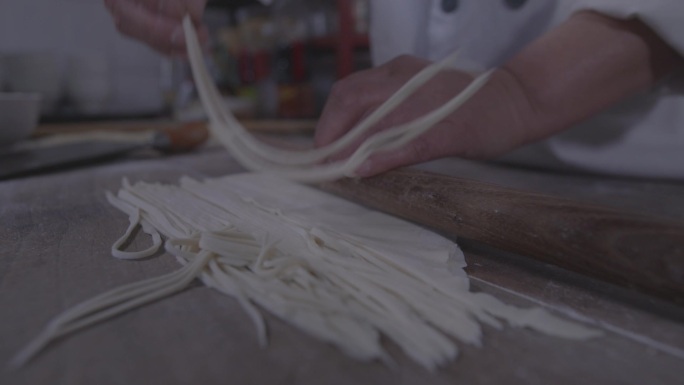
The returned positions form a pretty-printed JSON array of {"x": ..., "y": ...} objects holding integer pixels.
[
  {"x": 157, "y": 22},
  {"x": 195, "y": 9},
  {"x": 481, "y": 137},
  {"x": 176, "y": 9},
  {"x": 488, "y": 124},
  {"x": 389, "y": 122},
  {"x": 422, "y": 149},
  {"x": 172, "y": 9},
  {"x": 357, "y": 96},
  {"x": 160, "y": 32},
  {"x": 349, "y": 100}
]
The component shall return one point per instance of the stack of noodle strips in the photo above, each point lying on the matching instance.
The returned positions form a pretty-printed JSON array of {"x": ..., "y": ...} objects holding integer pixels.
[{"x": 333, "y": 269}]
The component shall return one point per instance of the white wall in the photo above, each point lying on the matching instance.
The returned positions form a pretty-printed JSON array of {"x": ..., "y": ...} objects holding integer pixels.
[{"x": 72, "y": 27}]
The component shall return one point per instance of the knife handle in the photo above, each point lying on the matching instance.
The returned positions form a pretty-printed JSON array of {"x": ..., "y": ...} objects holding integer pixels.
[{"x": 184, "y": 138}]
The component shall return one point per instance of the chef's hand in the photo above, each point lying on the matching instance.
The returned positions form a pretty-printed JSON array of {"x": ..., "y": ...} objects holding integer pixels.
[
  {"x": 489, "y": 124},
  {"x": 567, "y": 75},
  {"x": 158, "y": 22}
]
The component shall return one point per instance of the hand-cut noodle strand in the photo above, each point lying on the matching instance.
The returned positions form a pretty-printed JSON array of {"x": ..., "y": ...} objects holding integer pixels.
[
  {"x": 304, "y": 166},
  {"x": 331, "y": 274},
  {"x": 111, "y": 304}
]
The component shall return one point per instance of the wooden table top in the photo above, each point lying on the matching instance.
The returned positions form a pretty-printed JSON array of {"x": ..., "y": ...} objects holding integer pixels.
[{"x": 56, "y": 234}]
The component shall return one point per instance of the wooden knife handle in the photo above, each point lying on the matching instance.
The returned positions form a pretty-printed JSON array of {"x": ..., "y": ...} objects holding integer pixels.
[
  {"x": 186, "y": 137},
  {"x": 630, "y": 250}
]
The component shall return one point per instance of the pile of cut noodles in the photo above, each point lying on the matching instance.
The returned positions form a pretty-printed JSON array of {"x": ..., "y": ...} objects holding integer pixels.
[{"x": 333, "y": 269}]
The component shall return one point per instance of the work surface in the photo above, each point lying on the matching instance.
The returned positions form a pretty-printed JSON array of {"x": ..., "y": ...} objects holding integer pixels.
[{"x": 56, "y": 235}]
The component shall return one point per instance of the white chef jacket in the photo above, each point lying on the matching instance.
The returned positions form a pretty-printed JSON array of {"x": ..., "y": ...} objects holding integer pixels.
[{"x": 643, "y": 136}]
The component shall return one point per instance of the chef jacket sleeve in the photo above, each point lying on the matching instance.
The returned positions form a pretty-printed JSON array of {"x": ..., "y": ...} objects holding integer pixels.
[{"x": 665, "y": 17}]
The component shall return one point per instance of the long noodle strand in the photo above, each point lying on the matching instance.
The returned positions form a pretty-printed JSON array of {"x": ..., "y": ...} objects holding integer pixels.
[{"x": 304, "y": 166}]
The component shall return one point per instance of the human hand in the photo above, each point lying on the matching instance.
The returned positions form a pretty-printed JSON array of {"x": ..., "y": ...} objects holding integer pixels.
[
  {"x": 492, "y": 122},
  {"x": 569, "y": 74},
  {"x": 158, "y": 22}
]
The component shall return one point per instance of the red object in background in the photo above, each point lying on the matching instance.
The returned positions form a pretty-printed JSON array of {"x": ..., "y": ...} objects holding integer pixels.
[
  {"x": 254, "y": 66},
  {"x": 245, "y": 68},
  {"x": 295, "y": 95},
  {"x": 262, "y": 65},
  {"x": 288, "y": 67},
  {"x": 298, "y": 62},
  {"x": 345, "y": 43}
]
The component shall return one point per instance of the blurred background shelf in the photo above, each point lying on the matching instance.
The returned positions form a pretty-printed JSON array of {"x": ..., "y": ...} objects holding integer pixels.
[
  {"x": 281, "y": 59},
  {"x": 285, "y": 57}
]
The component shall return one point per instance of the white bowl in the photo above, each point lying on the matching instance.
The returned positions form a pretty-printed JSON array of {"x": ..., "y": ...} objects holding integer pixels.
[
  {"x": 41, "y": 73},
  {"x": 19, "y": 114}
]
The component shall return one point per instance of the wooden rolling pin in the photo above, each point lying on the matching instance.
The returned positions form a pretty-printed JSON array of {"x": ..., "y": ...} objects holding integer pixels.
[{"x": 631, "y": 250}]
